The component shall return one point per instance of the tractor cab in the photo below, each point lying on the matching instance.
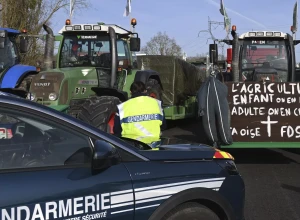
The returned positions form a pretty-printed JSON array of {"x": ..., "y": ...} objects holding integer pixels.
[
  {"x": 265, "y": 57},
  {"x": 9, "y": 54},
  {"x": 262, "y": 56},
  {"x": 93, "y": 59}
]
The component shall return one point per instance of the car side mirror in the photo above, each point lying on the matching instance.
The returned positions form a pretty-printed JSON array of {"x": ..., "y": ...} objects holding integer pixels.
[
  {"x": 23, "y": 44},
  {"x": 135, "y": 44},
  {"x": 213, "y": 53},
  {"x": 3, "y": 35},
  {"x": 105, "y": 155}
]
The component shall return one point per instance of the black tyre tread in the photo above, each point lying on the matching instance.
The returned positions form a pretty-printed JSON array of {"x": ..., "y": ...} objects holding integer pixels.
[
  {"x": 152, "y": 85},
  {"x": 75, "y": 107},
  {"x": 96, "y": 111},
  {"x": 182, "y": 212}
]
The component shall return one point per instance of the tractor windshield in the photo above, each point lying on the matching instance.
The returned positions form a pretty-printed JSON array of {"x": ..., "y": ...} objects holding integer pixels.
[
  {"x": 264, "y": 54},
  {"x": 90, "y": 51},
  {"x": 8, "y": 54}
]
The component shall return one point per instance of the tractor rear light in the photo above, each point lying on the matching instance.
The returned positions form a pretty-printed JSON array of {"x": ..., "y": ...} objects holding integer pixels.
[
  {"x": 87, "y": 27},
  {"x": 259, "y": 34},
  {"x": 77, "y": 27},
  {"x": 97, "y": 27},
  {"x": 69, "y": 28},
  {"x": 269, "y": 34},
  {"x": 277, "y": 34},
  {"x": 252, "y": 34}
]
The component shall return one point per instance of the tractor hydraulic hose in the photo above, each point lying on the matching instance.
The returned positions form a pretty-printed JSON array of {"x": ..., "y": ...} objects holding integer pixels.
[
  {"x": 49, "y": 47},
  {"x": 114, "y": 56},
  {"x": 235, "y": 59}
]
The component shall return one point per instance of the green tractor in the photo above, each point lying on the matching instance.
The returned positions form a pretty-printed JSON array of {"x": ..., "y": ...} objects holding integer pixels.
[{"x": 93, "y": 73}]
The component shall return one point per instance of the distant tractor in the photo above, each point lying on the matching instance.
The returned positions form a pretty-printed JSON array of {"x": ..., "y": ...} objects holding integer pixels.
[
  {"x": 263, "y": 90},
  {"x": 94, "y": 71},
  {"x": 12, "y": 72}
]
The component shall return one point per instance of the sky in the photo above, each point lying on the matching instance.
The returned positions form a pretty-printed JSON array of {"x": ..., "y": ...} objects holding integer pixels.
[{"x": 185, "y": 20}]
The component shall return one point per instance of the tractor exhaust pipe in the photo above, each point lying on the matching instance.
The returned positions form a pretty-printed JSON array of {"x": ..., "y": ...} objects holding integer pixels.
[
  {"x": 235, "y": 57},
  {"x": 49, "y": 47},
  {"x": 114, "y": 55}
]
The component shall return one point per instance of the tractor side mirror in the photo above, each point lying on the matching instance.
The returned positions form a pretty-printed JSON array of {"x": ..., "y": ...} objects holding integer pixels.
[
  {"x": 135, "y": 44},
  {"x": 3, "y": 35},
  {"x": 99, "y": 44},
  {"x": 213, "y": 53},
  {"x": 23, "y": 44}
]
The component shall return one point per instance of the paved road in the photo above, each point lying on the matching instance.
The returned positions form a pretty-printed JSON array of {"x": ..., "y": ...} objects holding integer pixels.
[{"x": 272, "y": 177}]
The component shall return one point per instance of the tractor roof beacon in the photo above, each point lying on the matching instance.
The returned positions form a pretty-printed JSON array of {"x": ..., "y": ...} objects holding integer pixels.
[
  {"x": 13, "y": 73},
  {"x": 93, "y": 73}
]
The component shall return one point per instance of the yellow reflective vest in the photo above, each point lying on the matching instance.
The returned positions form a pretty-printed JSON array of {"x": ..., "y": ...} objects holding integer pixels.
[{"x": 141, "y": 118}]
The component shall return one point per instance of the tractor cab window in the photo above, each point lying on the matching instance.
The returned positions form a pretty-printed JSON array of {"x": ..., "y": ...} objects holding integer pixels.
[
  {"x": 89, "y": 51},
  {"x": 264, "y": 54},
  {"x": 8, "y": 55}
]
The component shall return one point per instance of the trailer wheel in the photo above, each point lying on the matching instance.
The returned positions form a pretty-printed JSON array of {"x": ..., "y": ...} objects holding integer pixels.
[
  {"x": 99, "y": 112},
  {"x": 191, "y": 210},
  {"x": 154, "y": 89}
]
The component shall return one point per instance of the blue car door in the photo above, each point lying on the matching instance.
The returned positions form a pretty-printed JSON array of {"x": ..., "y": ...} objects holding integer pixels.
[{"x": 46, "y": 173}]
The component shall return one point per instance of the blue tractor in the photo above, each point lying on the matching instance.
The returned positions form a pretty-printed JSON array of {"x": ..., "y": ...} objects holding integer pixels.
[{"x": 14, "y": 75}]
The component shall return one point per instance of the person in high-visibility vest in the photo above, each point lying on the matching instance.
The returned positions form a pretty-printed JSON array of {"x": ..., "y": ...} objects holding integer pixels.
[{"x": 141, "y": 117}]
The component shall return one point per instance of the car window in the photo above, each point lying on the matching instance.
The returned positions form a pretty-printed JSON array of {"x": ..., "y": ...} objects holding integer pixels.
[{"x": 30, "y": 141}]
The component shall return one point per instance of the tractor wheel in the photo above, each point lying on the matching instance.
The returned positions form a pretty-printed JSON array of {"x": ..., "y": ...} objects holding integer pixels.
[
  {"x": 191, "y": 210},
  {"x": 25, "y": 84},
  {"x": 154, "y": 89},
  {"x": 100, "y": 112},
  {"x": 75, "y": 107}
]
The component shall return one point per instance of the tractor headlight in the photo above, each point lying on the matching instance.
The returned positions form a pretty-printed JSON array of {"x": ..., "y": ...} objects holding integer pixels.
[
  {"x": 52, "y": 96},
  {"x": 30, "y": 96}
]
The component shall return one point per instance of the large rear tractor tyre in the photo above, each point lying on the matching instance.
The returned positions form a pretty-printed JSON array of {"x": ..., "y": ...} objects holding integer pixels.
[
  {"x": 75, "y": 107},
  {"x": 191, "y": 210},
  {"x": 100, "y": 112},
  {"x": 154, "y": 89}
]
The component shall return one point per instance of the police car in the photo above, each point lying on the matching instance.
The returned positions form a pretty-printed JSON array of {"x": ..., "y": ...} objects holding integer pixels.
[{"x": 53, "y": 166}]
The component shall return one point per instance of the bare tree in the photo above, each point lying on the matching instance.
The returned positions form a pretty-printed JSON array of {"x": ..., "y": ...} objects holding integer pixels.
[
  {"x": 31, "y": 15},
  {"x": 162, "y": 44}
]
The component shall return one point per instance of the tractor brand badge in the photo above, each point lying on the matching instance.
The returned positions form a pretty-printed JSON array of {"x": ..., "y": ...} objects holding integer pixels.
[
  {"x": 43, "y": 77},
  {"x": 42, "y": 84},
  {"x": 88, "y": 82},
  {"x": 87, "y": 37},
  {"x": 85, "y": 71}
]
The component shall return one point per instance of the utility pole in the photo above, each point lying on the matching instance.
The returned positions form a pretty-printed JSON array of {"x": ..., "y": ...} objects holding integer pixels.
[{"x": 215, "y": 25}]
